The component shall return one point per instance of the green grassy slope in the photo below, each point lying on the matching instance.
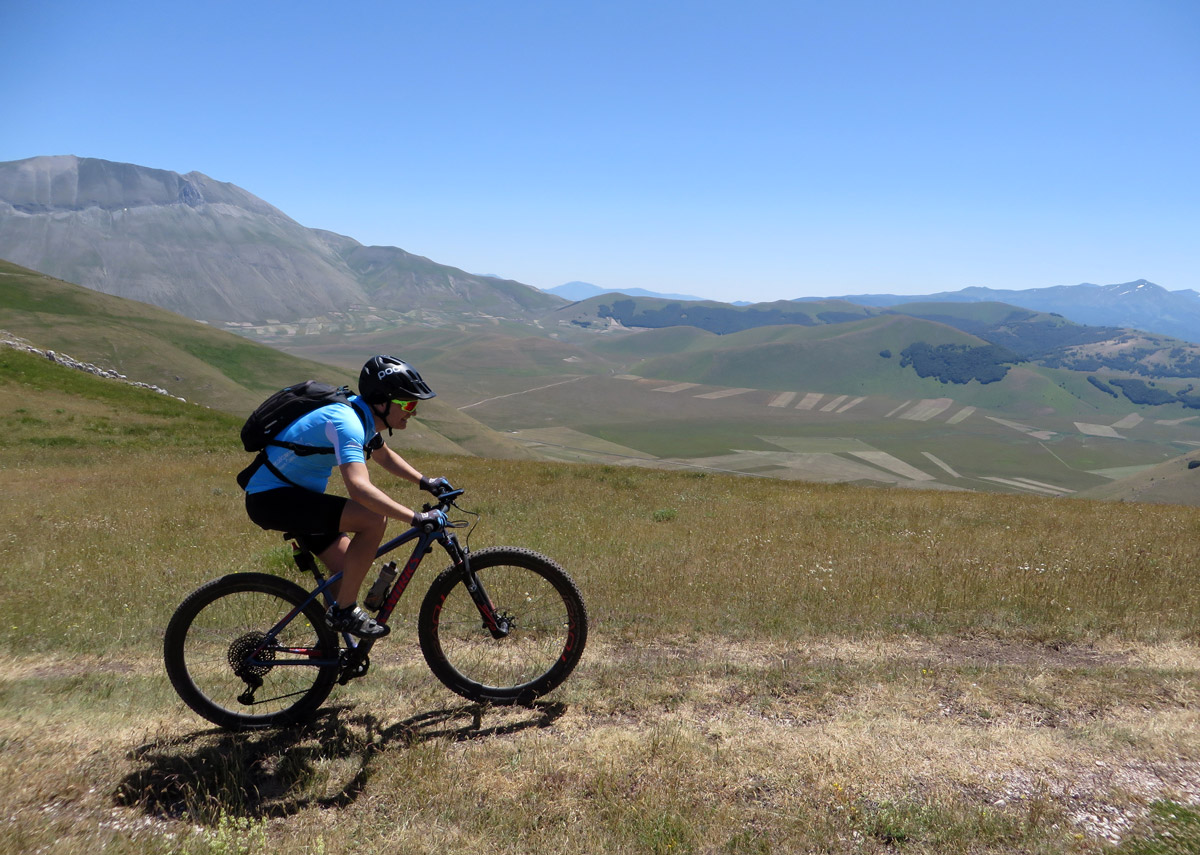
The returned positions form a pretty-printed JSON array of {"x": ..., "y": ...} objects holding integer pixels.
[
  {"x": 717, "y": 317},
  {"x": 842, "y": 358},
  {"x": 47, "y": 408},
  {"x": 188, "y": 358},
  {"x": 646, "y": 344},
  {"x": 985, "y": 313},
  {"x": 1170, "y": 483},
  {"x": 195, "y": 361}
]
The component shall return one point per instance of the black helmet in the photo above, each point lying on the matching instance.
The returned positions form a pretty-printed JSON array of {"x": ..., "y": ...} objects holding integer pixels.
[{"x": 385, "y": 377}]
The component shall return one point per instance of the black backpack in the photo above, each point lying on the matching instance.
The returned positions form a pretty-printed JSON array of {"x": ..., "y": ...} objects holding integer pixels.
[{"x": 277, "y": 412}]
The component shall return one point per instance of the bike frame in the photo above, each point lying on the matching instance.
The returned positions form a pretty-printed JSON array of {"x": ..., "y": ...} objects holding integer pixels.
[{"x": 354, "y": 654}]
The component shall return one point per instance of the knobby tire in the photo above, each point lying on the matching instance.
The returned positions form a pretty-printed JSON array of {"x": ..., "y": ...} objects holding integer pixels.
[
  {"x": 549, "y": 628},
  {"x": 220, "y": 623}
]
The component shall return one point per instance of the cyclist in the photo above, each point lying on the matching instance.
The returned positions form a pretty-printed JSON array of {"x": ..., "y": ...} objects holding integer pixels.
[{"x": 287, "y": 493}]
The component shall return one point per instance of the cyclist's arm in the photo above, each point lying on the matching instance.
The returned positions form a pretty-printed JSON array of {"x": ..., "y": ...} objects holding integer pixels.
[
  {"x": 361, "y": 490},
  {"x": 397, "y": 465}
]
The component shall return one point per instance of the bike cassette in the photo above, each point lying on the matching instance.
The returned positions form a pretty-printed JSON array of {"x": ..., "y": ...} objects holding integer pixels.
[{"x": 240, "y": 651}]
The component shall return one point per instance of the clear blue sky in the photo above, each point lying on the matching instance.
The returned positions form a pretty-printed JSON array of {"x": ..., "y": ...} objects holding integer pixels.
[{"x": 732, "y": 150}]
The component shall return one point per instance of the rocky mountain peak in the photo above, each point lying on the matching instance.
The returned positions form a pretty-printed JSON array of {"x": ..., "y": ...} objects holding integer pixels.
[
  {"x": 211, "y": 250},
  {"x": 40, "y": 185},
  {"x": 190, "y": 195}
]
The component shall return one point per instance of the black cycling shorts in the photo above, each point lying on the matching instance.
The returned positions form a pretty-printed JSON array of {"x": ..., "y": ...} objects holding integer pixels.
[{"x": 314, "y": 519}]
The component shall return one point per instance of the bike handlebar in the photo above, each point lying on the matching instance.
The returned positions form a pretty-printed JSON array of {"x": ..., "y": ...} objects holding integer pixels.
[{"x": 444, "y": 501}]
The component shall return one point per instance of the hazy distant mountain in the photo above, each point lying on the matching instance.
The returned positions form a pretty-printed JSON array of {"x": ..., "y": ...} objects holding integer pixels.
[
  {"x": 213, "y": 251},
  {"x": 1138, "y": 305},
  {"x": 1018, "y": 334},
  {"x": 576, "y": 291}
]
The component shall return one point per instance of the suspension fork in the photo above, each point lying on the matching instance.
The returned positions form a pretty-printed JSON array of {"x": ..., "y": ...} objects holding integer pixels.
[{"x": 497, "y": 624}]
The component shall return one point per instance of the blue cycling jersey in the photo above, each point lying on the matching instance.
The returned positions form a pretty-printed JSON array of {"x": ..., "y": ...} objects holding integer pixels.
[{"x": 334, "y": 426}]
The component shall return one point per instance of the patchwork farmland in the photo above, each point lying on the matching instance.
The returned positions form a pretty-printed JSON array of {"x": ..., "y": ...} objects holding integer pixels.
[{"x": 930, "y": 443}]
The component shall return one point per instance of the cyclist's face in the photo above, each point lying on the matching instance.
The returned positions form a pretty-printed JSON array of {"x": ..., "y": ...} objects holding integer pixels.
[{"x": 398, "y": 417}]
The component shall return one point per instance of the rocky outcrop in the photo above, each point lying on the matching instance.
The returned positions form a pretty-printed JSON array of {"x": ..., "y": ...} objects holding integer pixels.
[{"x": 7, "y": 339}]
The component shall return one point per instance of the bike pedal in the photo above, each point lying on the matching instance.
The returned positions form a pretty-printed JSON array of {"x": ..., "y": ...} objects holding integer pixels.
[{"x": 354, "y": 671}]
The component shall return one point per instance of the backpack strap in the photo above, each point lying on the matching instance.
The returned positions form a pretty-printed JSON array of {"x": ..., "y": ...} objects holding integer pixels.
[
  {"x": 261, "y": 459},
  {"x": 306, "y": 450},
  {"x": 302, "y": 450},
  {"x": 274, "y": 470},
  {"x": 369, "y": 432}
]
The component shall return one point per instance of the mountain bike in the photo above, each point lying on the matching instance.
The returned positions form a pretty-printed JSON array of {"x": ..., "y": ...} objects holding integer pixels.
[{"x": 501, "y": 626}]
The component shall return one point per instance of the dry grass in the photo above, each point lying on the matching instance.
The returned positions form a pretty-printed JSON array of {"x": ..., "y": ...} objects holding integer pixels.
[
  {"x": 774, "y": 667},
  {"x": 834, "y": 746}
]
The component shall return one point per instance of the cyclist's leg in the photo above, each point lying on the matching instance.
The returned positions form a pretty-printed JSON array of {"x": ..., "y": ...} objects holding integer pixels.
[
  {"x": 321, "y": 522},
  {"x": 353, "y": 556}
]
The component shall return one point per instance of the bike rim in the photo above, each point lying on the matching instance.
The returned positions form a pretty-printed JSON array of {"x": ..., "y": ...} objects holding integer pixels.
[
  {"x": 231, "y": 627},
  {"x": 542, "y": 629}
]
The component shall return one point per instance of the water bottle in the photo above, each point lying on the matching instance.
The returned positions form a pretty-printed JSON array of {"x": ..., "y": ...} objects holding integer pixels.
[{"x": 387, "y": 575}]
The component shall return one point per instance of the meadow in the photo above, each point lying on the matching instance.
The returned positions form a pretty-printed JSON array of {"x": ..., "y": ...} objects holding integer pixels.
[
  {"x": 773, "y": 666},
  {"x": 1059, "y": 431}
]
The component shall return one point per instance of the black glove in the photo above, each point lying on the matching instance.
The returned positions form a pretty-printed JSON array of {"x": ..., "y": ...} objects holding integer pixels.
[
  {"x": 437, "y": 486},
  {"x": 433, "y": 520}
]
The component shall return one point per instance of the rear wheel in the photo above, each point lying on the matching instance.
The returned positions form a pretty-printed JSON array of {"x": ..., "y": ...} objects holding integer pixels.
[
  {"x": 217, "y": 661},
  {"x": 544, "y": 616}
]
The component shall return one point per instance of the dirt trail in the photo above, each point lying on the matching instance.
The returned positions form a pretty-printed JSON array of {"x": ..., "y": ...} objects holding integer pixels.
[{"x": 1092, "y": 733}]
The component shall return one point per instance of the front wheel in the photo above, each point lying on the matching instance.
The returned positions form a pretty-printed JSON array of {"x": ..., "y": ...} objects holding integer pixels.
[
  {"x": 540, "y": 608},
  {"x": 225, "y": 667}
]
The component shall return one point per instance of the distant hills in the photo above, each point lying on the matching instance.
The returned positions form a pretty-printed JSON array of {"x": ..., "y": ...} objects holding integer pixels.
[
  {"x": 575, "y": 291},
  {"x": 212, "y": 251},
  {"x": 881, "y": 396},
  {"x": 1138, "y": 305},
  {"x": 1016, "y": 334},
  {"x": 208, "y": 250}
]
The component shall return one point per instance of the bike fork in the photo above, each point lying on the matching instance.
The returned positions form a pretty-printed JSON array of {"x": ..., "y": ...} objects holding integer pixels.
[{"x": 497, "y": 624}]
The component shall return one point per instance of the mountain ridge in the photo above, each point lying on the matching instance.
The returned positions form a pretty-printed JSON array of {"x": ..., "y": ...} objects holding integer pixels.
[
  {"x": 68, "y": 182},
  {"x": 210, "y": 250},
  {"x": 1139, "y": 304},
  {"x": 576, "y": 291},
  {"x": 215, "y": 252}
]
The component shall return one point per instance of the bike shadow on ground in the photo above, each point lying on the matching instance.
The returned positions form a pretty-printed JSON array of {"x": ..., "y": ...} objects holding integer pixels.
[{"x": 325, "y": 763}]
